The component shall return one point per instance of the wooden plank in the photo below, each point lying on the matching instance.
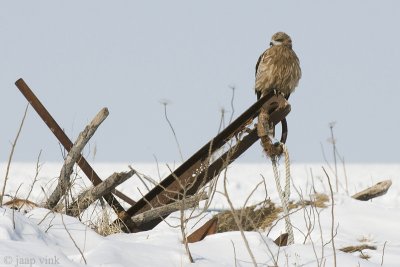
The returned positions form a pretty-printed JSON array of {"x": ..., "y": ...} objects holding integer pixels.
[{"x": 374, "y": 191}]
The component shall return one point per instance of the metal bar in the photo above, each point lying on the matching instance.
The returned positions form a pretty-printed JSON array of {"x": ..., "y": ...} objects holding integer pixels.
[
  {"x": 66, "y": 142},
  {"x": 62, "y": 137},
  {"x": 195, "y": 161},
  {"x": 214, "y": 169},
  {"x": 171, "y": 187},
  {"x": 209, "y": 228}
]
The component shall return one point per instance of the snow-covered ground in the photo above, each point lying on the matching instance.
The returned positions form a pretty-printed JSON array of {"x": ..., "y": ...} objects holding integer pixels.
[{"x": 42, "y": 238}]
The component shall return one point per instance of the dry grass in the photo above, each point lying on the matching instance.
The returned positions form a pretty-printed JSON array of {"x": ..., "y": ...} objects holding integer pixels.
[
  {"x": 364, "y": 239},
  {"x": 262, "y": 216},
  {"x": 359, "y": 248},
  {"x": 364, "y": 256},
  {"x": 104, "y": 225},
  {"x": 108, "y": 229},
  {"x": 251, "y": 218},
  {"x": 318, "y": 200}
]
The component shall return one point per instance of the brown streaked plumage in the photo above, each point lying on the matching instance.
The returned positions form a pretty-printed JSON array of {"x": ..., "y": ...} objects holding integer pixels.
[{"x": 278, "y": 68}]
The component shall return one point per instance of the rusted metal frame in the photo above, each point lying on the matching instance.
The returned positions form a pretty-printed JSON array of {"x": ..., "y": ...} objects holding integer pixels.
[
  {"x": 195, "y": 161},
  {"x": 175, "y": 190},
  {"x": 284, "y": 131},
  {"x": 201, "y": 156},
  {"x": 209, "y": 228},
  {"x": 66, "y": 142}
]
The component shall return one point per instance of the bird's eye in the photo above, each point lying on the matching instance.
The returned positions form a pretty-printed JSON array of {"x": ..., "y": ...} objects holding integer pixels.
[{"x": 271, "y": 44}]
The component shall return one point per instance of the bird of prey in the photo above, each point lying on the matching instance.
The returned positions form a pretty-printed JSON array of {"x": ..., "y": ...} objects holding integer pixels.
[{"x": 278, "y": 68}]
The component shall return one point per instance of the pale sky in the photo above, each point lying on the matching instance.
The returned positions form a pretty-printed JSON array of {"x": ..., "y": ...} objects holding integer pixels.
[{"x": 80, "y": 56}]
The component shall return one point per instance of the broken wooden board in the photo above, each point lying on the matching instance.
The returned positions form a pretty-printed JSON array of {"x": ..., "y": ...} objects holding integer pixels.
[{"x": 374, "y": 191}]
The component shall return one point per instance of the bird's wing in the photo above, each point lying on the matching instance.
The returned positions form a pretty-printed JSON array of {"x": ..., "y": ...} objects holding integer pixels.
[
  {"x": 258, "y": 93},
  {"x": 258, "y": 62},
  {"x": 265, "y": 68}
]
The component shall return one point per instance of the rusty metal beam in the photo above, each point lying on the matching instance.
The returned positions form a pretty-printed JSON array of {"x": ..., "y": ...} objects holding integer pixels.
[
  {"x": 202, "y": 154},
  {"x": 197, "y": 166},
  {"x": 66, "y": 142},
  {"x": 209, "y": 228}
]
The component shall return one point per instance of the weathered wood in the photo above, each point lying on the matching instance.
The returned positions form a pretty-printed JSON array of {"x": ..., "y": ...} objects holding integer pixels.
[
  {"x": 161, "y": 212},
  {"x": 374, "y": 191},
  {"x": 86, "y": 198},
  {"x": 358, "y": 248},
  {"x": 73, "y": 156},
  {"x": 67, "y": 144}
]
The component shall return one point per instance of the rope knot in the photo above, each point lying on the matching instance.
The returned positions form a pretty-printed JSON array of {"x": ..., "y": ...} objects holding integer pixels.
[{"x": 266, "y": 132}]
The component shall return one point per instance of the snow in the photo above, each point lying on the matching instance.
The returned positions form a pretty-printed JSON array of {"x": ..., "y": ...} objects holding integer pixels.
[{"x": 42, "y": 238}]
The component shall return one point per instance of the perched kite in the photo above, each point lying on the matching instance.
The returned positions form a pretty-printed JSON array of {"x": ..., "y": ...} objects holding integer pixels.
[{"x": 278, "y": 68}]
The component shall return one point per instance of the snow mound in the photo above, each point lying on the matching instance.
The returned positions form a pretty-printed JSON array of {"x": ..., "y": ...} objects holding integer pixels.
[{"x": 43, "y": 238}]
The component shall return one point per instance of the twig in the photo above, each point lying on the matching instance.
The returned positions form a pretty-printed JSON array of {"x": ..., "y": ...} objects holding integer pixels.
[
  {"x": 165, "y": 103},
  {"x": 158, "y": 167},
  {"x": 331, "y": 125},
  {"x": 12, "y": 153},
  {"x": 321, "y": 237},
  {"x": 333, "y": 218},
  {"x": 325, "y": 158},
  {"x": 222, "y": 120},
  {"x": 232, "y": 106},
  {"x": 237, "y": 221},
  {"x": 35, "y": 178},
  {"x": 144, "y": 183},
  {"x": 312, "y": 207},
  {"x": 70, "y": 236},
  {"x": 345, "y": 175},
  {"x": 183, "y": 226},
  {"x": 247, "y": 199},
  {"x": 383, "y": 252},
  {"x": 281, "y": 218},
  {"x": 13, "y": 210},
  {"x": 234, "y": 252}
]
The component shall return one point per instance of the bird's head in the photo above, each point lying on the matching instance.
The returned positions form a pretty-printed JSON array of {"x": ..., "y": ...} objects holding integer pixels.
[{"x": 281, "y": 38}]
